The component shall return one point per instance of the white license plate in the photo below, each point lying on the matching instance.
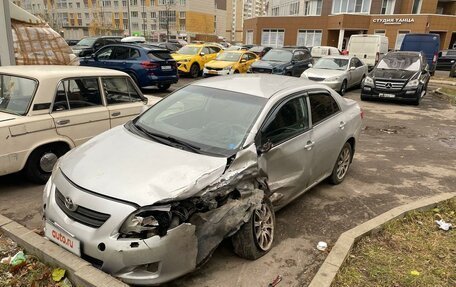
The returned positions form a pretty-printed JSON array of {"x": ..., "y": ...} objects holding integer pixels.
[
  {"x": 382, "y": 95},
  {"x": 166, "y": 68},
  {"x": 62, "y": 238}
]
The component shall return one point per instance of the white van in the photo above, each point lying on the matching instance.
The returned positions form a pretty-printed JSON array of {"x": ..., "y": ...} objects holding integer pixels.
[
  {"x": 322, "y": 51},
  {"x": 369, "y": 48}
]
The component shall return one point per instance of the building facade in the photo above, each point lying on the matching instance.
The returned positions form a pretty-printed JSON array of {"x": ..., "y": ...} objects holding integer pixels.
[
  {"x": 332, "y": 22},
  {"x": 237, "y": 12},
  {"x": 153, "y": 19}
]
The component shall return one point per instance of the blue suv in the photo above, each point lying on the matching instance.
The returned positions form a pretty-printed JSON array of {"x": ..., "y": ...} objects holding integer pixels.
[{"x": 146, "y": 65}]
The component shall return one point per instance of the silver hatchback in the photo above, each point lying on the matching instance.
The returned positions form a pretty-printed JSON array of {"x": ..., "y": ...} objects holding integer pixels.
[{"x": 150, "y": 201}]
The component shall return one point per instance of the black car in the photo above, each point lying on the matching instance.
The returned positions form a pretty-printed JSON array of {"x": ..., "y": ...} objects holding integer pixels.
[
  {"x": 71, "y": 42},
  {"x": 446, "y": 59},
  {"x": 398, "y": 75},
  {"x": 260, "y": 51},
  {"x": 283, "y": 61},
  {"x": 453, "y": 71},
  {"x": 88, "y": 46}
]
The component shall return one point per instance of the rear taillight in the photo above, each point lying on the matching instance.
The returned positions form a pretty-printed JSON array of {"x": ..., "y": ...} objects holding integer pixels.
[
  {"x": 149, "y": 65},
  {"x": 434, "y": 59},
  {"x": 361, "y": 113}
]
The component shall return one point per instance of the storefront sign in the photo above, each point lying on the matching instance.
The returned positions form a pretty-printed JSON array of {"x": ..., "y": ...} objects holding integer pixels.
[{"x": 394, "y": 21}]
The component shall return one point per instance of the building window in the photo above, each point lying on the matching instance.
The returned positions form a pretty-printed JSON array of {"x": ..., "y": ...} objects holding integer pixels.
[
  {"x": 134, "y": 14},
  {"x": 153, "y": 15},
  {"x": 272, "y": 37},
  {"x": 249, "y": 37},
  {"x": 309, "y": 38},
  {"x": 135, "y": 26},
  {"x": 416, "y": 9},
  {"x": 275, "y": 11},
  {"x": 182, "y": 2},
  {"x": 143, "y": 15},
  {"x": 125, "y": 15},
  {"x": 399, "y": 39},
  {"x": 182, "y": 15},
  {"x": 294, "y": 8},
  {"x": 380, "y": 32},
  {"x": 351, "y": 6},
  {"x": 312, "y": 7},
  {"x": 388, "y": 7},
  {"x": 167, "y": 17},
  {"x": 133, "y": 2},
  {"x": 78, "y": 5}
]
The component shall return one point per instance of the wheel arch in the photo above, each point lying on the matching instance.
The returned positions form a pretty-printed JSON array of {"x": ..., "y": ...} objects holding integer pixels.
[
  {"x": 63, "y": 142},
  {"x": 352, "y": 142}
]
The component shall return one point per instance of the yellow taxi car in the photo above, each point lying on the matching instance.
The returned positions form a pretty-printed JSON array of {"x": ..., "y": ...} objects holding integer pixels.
[
  {"x": 230, "y": 62},
  {"x": 192, "y": 58}
]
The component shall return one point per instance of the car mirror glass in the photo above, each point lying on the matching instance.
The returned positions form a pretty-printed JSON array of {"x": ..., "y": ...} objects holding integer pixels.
[
  {"x": 202, "y": 54},
  {"x": 352, "y": 68}
]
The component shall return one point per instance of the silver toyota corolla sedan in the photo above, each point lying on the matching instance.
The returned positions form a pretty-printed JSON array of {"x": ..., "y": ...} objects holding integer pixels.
[
  {"x": 337, "y": 72},
  {"x": 150, "y": 201}
]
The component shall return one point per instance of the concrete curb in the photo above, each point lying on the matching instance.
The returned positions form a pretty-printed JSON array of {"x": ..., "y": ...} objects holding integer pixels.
[
  {"x": 344, "y": 244},
  {"x": 79, "y": 271},
  {"x": 451, "y": 83}
]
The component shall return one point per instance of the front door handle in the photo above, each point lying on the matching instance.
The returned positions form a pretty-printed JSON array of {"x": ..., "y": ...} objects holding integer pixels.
[
  {"x": 115, "y": 114},
  {"x": 342, "y": 125},
  {"x": 63, "y": 122},
  {"x": 309, "y": 145}
]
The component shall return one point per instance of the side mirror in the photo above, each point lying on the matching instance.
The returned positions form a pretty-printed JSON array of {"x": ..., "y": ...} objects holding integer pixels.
[
  {"x": 352, "y": 68},
  {"x": 243, "y": 60},
  {"x": 202, "y": 54},
  {"x": 265, "y": 147},
  {"x": 310, "y": 65}
]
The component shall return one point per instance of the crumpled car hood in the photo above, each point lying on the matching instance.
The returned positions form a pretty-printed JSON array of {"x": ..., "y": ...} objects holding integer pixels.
[{"x": 125, "y": 166}]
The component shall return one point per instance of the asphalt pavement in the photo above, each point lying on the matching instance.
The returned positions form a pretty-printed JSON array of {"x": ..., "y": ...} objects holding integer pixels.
[{"x": 405, "y": 153}]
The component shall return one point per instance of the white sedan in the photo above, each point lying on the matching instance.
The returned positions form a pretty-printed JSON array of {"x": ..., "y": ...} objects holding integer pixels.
[
  {"x": 337, "y": 72},
  {"x": 47, "y": 110}
]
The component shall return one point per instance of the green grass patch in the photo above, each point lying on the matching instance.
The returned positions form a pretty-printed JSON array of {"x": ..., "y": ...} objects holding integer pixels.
[{"x": 408, "y": 252}]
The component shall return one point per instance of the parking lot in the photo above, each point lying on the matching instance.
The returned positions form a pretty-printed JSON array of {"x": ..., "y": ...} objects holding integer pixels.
[{"x": 405, "y": 152}]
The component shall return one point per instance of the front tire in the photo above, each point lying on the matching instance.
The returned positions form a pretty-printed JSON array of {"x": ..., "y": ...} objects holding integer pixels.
[
  {"x": 194, "y": 71},
  {"x": 256, "y": 236},
  {"x": 343, "y": 88},
  {"x": 342, "y": 164},
  {"x": 163, "y": 87},
  {"x": 41, "y": 161}
]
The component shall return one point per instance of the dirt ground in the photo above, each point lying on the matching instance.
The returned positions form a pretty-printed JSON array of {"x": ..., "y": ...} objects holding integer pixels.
[{"x": 404, "y": 153}]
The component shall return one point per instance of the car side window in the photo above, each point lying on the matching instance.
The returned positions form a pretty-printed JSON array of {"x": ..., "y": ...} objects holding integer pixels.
[
  {"x": 119, "y": 90},
  {"x": 252, "y": 56},
  {"x": 105, "y": 53},
  {"x": 121, "y": 53},
  {"x": 290, "y": 120},
  {"x": 358, "y": 63},
  {"x": 134, "y": 54},
  {"x": 79, "y": 93},
  {"x": 205, "y": 50},
  {"x": 322, "y": 106},
  {"x": 245, "y": 57},
  {"x": 214, "y": 50},
  {"x": 298, "y": 56}
]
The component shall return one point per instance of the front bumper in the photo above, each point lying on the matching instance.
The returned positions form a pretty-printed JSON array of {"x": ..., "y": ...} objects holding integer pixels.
[
  {"x": 333, "y": 85},
  {"x": 209, "y": 72},
  {"x": 150, "y": 261},
  {"x": 184, "y": 67},
  {"x": 406, "y": 94}
]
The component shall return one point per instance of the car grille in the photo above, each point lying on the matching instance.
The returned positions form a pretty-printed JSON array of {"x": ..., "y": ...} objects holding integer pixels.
[
  {"x": 316, "y": 79},
  {"x": 214, "y": 69},
  {"x": 262, "y": 70},
  {"x": 389, "y": 85},
  {"x": 82, "y": 215}
]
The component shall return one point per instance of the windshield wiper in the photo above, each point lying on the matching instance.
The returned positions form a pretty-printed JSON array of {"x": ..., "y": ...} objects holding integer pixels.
[{"x": 149, "y": 134}]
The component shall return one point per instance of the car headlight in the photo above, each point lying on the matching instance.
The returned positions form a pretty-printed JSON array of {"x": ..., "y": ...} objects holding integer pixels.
[
  {"x": 368, "y": 81},
  {"x": 147, "y": 222},
  {"x": 413, "y": 83},
  {"x": 185, "y": 60},
  {"x": 331, "y": 79}
]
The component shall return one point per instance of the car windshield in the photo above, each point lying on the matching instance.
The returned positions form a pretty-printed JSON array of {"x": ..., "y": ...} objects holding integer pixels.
[
  {"x": 86, "y": 42},
  {"x": 229, "y": 57},
  {"x": 215, "y": 121},
  {"x": 331, "y": 64},
  {"x": 400, "y": 62},
  {"x": 278, "y": 56},
  {"x": 188, "y": 50},
  {"x": 16, "y": 94}
]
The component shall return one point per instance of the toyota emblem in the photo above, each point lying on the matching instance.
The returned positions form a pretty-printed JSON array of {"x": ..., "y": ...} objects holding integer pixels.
[
  {"x": 388, "y": 85},
  {"x": 70, "y": 205}
]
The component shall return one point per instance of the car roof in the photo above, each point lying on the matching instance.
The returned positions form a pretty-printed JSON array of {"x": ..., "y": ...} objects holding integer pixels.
[
  {"x": 261, "y": 85},
  {"x": 54, "y": 71},
  {"x": 411, "y": 53},
  {"x": 146, "y": 46}
]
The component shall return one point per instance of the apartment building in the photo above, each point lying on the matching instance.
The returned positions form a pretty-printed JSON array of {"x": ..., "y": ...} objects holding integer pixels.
[
  {"x": 153, "y": 19},
  {"x": 237, "y": 12},
  {"x": 332, "y": 22}
]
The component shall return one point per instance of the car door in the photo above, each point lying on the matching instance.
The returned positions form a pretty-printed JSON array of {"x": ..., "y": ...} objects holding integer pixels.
[
  {"x": 101, "y": 58},
  {"x": 360, "y": 71},
  {"x": 206, "y": 57},
  {"x": 78, "y": 109},
  {"x": 284, "y": 156},
  {"x": 351, "y": 73},
  {"x": 119, "y": 59},
  {"x": 298, "y": 63},
  {"x": 328, "y": 127},
  {"x": 124, "y": 102},
  {"x": 244, "y": 63}
]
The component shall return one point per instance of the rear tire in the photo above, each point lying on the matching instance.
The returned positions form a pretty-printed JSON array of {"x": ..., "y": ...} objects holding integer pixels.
[
  {"x": 194, "y": 71},
  {"x": 342, "y": 164},
  {"x": 343, "y": 88},
  {"x": 256, "y": 236},
  {"x": 41, "y": 161}
]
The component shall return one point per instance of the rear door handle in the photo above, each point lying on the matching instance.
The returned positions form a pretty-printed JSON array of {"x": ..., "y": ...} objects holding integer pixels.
[
  {"x": 309, "y": 145},
  {"x": 63, "y": 122},
  {"x": 115, "y": 114},
  {"x": 342, "y": 125}
]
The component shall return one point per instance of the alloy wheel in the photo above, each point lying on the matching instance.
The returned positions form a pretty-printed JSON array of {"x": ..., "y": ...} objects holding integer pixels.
[
  {"x": 343, "y": 162},
  {"x": 47, "y": 161},
  {"x": 264, "y": 227}
]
